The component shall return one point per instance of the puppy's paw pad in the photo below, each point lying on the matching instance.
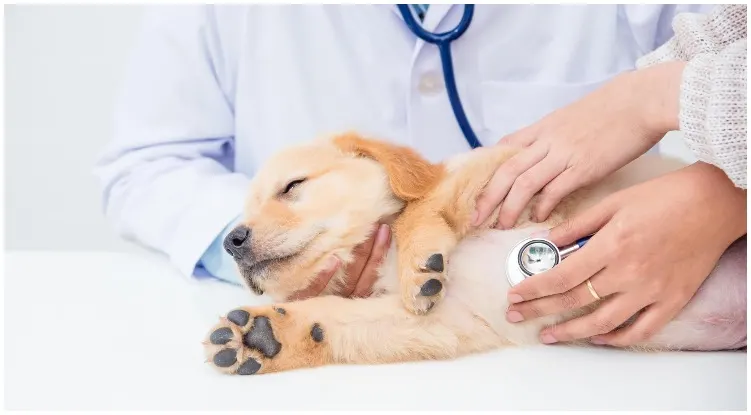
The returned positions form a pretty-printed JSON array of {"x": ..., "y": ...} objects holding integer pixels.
[
  {"x": 250, "y": 367},
  {"x": 261, "y": 337},
  {"x": 239, "y": 317},
  {"x": 316, "y": 333},
  {"x": 433, "y": 264},
  {"x": 225, "y": 358},
  {"x": 423, "y": 286},
  {"x": 243, "y": 339},
  {"x": 420, "y": 295},
  {"x": 431, "y": 288},
  {"x": 222, "y": 335},
  {"x": 263, "y": 340}
]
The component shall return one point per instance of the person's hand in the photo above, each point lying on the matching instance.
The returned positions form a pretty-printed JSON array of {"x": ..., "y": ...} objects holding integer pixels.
[
  {"x": 655, "y": 243},
  {"x": 580, "y": 144},
  {"x": 361, "y": 273}
]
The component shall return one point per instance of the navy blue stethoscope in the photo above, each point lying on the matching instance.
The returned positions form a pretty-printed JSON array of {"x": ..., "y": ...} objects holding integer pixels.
[
  {"x": 443, "y": 42},
  {"x": 537, "y": 255},
  {"x": 530, "y": 256}
]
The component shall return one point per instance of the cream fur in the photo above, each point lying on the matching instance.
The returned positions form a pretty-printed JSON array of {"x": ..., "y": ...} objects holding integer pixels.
[{"x": 333, "y": 211}]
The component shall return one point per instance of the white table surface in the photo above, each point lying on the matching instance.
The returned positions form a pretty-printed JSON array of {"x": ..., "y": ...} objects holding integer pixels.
[{"x": 123, "y": 331}]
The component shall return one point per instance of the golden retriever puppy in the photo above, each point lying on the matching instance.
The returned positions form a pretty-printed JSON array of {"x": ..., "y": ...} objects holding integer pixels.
[{"x": 441, "y": 291}]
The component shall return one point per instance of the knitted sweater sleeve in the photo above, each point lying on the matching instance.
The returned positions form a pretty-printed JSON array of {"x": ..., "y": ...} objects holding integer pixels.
[{"x": 713, "y": 87}]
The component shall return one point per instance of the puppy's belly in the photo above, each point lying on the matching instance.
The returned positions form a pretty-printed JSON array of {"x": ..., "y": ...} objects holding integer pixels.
[
  {"x": 477, "y": 281},
  {"x": 714, "y": 319}
]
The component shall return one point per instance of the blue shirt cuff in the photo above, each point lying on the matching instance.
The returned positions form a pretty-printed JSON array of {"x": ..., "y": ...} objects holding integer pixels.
[{"x": 217, "y": 262}]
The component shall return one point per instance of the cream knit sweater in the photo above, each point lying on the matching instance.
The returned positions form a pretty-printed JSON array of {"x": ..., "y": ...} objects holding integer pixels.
[{"x": 713, "y": 89}]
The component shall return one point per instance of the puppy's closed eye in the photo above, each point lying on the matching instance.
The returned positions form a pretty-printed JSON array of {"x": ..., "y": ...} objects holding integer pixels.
[{"x": 291, "y": 185}]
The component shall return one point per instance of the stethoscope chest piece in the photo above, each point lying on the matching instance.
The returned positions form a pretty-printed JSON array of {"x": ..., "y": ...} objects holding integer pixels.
[{"x": 531, "y": 257}]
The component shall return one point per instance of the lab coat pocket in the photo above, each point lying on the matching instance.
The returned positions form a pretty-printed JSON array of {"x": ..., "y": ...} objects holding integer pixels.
[{"x": 510, "y": 106}]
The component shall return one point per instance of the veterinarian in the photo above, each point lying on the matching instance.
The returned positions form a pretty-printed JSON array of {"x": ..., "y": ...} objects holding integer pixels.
[
  {"x": 211, "y": 91},
  {"x": 653, "y": 244}
]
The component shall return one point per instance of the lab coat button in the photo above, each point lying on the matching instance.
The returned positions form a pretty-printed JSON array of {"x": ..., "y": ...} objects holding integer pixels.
[{"x": 431, "y": 83}]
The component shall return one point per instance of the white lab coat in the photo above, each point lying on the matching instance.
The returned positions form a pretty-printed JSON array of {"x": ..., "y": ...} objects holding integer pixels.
[{"x": 212, "y": 91}]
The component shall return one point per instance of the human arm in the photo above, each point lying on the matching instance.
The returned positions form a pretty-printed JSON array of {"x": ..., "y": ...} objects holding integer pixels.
[
  {"x": 167, "y": 175},
  {"x": 581, "y": 143},
  {"x": 654, "y": 245},
  {"x": 713, "y": 101},
  {"x": 705, "y": 98},
  {"x": 653, "y": 101}
]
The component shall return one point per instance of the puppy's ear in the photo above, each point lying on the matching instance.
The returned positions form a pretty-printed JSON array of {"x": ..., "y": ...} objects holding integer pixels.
[{"x": 410, "y": 175}]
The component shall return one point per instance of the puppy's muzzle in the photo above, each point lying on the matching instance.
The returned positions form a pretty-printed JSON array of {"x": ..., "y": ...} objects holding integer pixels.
[{"x": 238, "y": 244}]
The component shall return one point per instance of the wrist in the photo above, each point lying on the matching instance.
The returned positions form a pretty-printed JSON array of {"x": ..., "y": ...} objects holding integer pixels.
[
  {"x": 728, "y": 202},
  {"x": 659, "y": 87}
]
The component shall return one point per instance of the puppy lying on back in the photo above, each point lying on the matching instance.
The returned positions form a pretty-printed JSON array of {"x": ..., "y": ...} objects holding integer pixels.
[{"x": 442, "y": 287}]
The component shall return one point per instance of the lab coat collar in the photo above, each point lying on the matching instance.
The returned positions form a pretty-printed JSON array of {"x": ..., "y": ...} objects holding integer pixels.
[{"x": 435, "y": 15}]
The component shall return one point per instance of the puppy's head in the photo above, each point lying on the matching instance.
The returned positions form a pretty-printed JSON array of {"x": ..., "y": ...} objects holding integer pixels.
[{"x": 312, "y": 201}]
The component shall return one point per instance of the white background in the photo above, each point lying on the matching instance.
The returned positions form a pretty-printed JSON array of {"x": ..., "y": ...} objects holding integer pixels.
[
  {"x": 63, "y": 65},
  {"x": 137, "y": 325}
]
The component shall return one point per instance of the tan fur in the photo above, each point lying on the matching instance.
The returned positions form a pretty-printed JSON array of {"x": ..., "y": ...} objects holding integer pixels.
[
  {"x": 410, "y": 176},
  {"x": 353, "y": 182}
]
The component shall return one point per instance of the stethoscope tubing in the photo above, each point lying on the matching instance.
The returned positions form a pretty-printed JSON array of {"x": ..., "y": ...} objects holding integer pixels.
[{"x": 443, "y": 42}]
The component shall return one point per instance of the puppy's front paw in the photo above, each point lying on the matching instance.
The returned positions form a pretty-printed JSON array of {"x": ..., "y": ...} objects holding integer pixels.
[
  {"x": 257, "y": 340},
  {"x": 422, "y": 284}
]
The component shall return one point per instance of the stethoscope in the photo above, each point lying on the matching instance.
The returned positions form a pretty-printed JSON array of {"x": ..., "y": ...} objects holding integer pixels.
[
  {"x": 537, "y": 255},
  {"x": 443, "y": 42},
  {"x": 531, "y": 256}
]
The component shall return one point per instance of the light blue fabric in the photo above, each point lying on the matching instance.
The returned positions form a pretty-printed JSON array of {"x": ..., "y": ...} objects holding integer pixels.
[{"x": 217, "y": 262}]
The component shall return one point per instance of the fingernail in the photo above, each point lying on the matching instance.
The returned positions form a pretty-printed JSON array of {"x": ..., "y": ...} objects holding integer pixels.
[
  {"x": 499, "y": 224},
  {"x": 515, "y": 298},
  {"x": 596, "y": 340},
  {"x": 332, "y": 263},
  {"x": 514, "y": 316},
  {"x": 475, "y": 216},
  {"x": 540, "y": 234},
  {"x": 382, "y": 234},
  {"x": 548, "y": 338}
]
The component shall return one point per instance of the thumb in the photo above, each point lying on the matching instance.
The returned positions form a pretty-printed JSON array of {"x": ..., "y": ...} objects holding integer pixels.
[{"x": 584, "y": 223}]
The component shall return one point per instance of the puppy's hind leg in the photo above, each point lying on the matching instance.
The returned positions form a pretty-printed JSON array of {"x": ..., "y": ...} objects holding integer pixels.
[{"x": 334, "y": 330}]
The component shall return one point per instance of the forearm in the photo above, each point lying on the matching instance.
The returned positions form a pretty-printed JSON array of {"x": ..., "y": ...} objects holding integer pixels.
[
  {"x": 726, "y": 202},
  {"x": 696, "y": 83},
  {"x": 706, "y": 100},
  {"x": 168, "y": 174},
  {"x": 713, "y": 107},
  {"x": 697, "y": 34},
  {"x": 171, "y": 204},
  {"x": 660, "y": 86}
]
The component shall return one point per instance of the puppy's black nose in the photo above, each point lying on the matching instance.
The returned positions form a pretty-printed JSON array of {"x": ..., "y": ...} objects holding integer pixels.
[{"x": 237, "y": 243}]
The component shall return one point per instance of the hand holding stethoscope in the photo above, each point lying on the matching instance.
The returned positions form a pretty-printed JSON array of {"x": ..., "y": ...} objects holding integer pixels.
[
  {"x": 652, "y": 249},
  {"x": 643, "y": 257}
]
